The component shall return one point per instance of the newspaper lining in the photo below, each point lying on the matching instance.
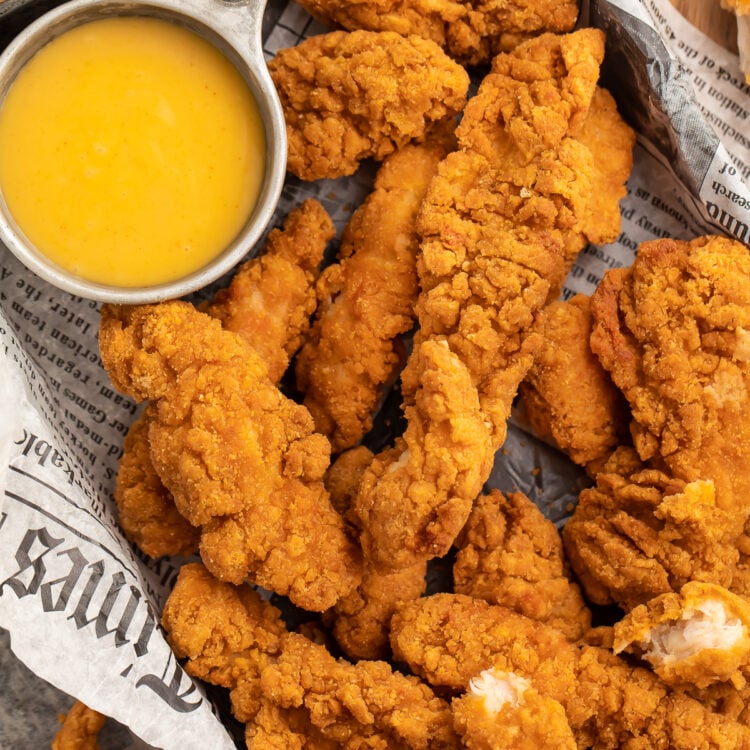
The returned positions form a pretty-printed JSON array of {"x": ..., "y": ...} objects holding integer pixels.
[{"x": 82, "y": 607}]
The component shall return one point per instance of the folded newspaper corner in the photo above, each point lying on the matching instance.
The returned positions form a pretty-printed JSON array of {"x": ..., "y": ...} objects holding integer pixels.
[{"x": 82, "y": 608}]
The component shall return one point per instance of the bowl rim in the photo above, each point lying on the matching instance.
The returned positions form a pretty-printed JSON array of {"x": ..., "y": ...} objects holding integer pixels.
[{"x": 235, "y": 29}]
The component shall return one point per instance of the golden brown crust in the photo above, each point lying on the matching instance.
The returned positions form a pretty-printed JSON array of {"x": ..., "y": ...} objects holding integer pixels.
[
  {"x": 636, "y": 537},
  {"x": 510, "y": 554},
  {"x": 499, "y": 212},
  {"x": 80, "y": 729},
  {"x": 147, "y": 513},
  {"x": 240, "y": 459},
  {"x": 367, "y": 299},
  {"x": 674, "y": 333},
  {"x": 289, "y": 689},
  {"x": 610, "y": 704},
  {"x": 348, "y": 96},
  {"x": 567, "y": 395}
]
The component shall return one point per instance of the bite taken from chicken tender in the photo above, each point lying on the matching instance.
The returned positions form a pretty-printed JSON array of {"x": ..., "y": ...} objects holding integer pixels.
[
  {"x": 673, "y": 331},
  {"x": 697, "y": 637},
  {"x": 502, "y": 710},
  {"x": 240, "y": 459},
  {"x": 510, "y": 554},
  {"x": 348, "y": 96}
]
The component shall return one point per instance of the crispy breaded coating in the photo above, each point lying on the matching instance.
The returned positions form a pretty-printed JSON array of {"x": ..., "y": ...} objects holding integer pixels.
[
  {"x": 471, "y": 31},
  {"x": 359, "y": 621},
  {"x": 493, "y": 26},
  {"x": 414, "y": 498},
  {"x": 269, "y": 303},
  {"x": 343, "y": 478},
  {"x": 567, "y": 395},
  {"x": 510, "y": 554},
  {"x": 698, "y": 636},
  {"x": 362, "y": 618},
  {"x": 146, "y": 509},
  {"x": 502, "y": 710},
  {"x": 349, "y": 96},
  {"x": 289, "y": 690},
  {"x": 271, "y": 298},
  {"x": 240, "y": 459},
  {"x": 632, "y": 538},
  {"x": 674, "y": 333},
  {"x": 426, "y": 18},
  {"x": 448, "y": 638},
  {"x": 502, "y": 210},
  {"x": 80, "y": 729},
  {"x": 611, "y": 143},
  {"x": 367, "y": 299}
]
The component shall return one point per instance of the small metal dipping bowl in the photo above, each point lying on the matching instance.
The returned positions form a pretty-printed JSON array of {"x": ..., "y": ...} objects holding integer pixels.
[{"x": 234, "y": 28}]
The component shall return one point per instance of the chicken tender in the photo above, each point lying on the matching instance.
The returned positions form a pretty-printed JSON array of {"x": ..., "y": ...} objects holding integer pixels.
[
  {"x": 510, "y": 554},
  {"x": 449, "y": 638},
  {"x": 80, "y": 729},
  {"x": 360, "y": 620},
  {"x": 503, "y": 710},
  {"x": 472, "y": 31},
  {"x": 698, "y": 636},
  {"x": 367, "y": 299},
  {"x": 269, "y": 303},
  {"x": 426, "y": 18},
  {"x": 288, "y": 690},
  {"x": 493, "y": 26},
  {"x": 673, "y": 331},
  {"x": 271, "y": 298},
  {"x": 240, "y": 459},
  {"x": 632, "y": 538},
  {"x": 502, "y": 210},
  {"x": 567, "y": 395},
  {"x": 349, "y": 96},
  {"x": 414, "y": 498}
]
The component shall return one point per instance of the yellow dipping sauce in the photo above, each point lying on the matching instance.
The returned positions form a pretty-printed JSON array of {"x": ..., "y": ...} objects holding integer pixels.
[{"x": 131, "y": 151}]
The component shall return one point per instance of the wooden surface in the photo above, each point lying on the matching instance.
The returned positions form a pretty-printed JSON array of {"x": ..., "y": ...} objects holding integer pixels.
[{"x": 710, "y": 18}]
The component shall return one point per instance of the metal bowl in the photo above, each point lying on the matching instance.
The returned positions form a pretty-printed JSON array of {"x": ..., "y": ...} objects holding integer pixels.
[{"x": 234, "y": 28}]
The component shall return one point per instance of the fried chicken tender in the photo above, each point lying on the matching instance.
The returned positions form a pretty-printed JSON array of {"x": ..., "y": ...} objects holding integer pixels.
[
  {"x": 674, "y": 333},
  {"x": 426, "y": 18},
  {"x": 241, "y": 460},
  {"x": 502, "y": 710},
  {"x": 80, "y": 729},
  {"x": 290, "y": 691},
  {"x": 271, "y": 299},
  {"x": 568, "y": 397},
  {"x": 367, "y": 298},
  {"x": 502, "y": 210},
  {"x": 610, "y": 140},
  {"x": 360, "y": 620},
  {"x": 269, "y": 303},
  {"x": 146, "y": 509},
  {"x": 449, "y": 638},
  {"x": 698, "y": 636},
  {"x": 415, "y": 497},
  {"x": 632, "y": 538},
  {"x": 349, "y": 96},
  {"x": 472, "y": 31},
  {"x": 510, "y": 554}
]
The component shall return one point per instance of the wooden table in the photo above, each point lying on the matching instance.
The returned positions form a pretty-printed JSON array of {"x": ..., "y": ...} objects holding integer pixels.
[{"x": 709, "y": 17}]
